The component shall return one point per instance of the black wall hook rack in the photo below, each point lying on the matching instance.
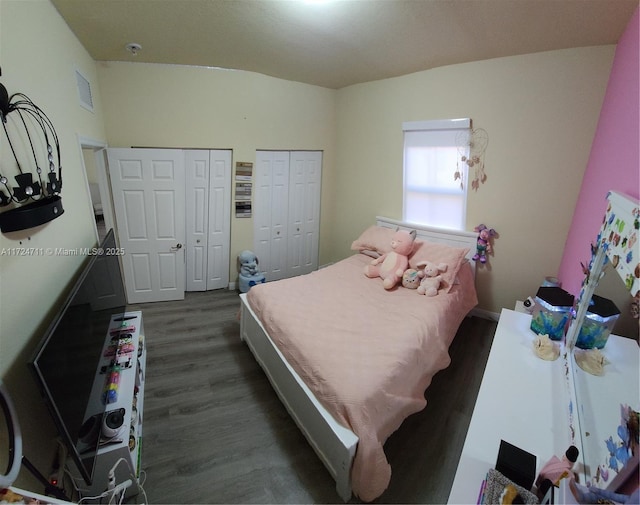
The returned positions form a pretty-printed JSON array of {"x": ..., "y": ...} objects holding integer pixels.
[
  {"x": 4, "y": 101},
  {"x": 35, "y": 198}
]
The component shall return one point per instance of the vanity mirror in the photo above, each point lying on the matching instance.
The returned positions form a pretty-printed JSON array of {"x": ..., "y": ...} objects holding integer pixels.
[{"x": 606, "y": 380}]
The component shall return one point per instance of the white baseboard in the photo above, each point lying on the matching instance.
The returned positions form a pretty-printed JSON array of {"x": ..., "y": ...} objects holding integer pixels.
[
  {"x": 485, "y": 314},
  {"x": 232, "y": 286}
]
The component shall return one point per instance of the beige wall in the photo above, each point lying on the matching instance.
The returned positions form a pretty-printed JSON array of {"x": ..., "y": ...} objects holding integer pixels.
[
  {"x": 39, "y": 55},
  {"x": 178, "y": 106},
  {"x": 540, "y": 112}
]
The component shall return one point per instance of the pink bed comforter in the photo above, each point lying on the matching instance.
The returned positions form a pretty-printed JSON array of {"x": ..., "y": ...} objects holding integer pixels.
[{"x": 367, "y": 354}]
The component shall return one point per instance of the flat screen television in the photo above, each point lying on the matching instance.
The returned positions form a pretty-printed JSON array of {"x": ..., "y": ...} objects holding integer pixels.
[{"x": 67, "y": 358}]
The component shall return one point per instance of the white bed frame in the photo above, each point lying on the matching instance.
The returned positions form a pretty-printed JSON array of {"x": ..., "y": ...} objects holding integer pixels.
[{"x": 334, "y": 444}]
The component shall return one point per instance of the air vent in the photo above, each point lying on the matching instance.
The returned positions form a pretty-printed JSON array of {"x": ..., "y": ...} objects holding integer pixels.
[{"x": 84, "y": 91}]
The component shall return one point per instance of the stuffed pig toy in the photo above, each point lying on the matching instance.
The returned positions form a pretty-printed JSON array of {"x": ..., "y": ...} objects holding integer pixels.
[
  {"x": 391, "y": 266},
  {"x": 430, "y": 277}
]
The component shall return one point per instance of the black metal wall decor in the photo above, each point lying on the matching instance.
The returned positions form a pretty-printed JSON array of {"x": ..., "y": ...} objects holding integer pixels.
[{"x": 35, "y": 197}]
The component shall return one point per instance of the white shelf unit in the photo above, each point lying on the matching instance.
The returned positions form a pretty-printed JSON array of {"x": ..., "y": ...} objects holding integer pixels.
[{"x": 124, "y": 330}]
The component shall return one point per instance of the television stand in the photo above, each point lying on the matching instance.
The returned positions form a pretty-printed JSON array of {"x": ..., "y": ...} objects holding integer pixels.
[{"x": 118, "y": 390}]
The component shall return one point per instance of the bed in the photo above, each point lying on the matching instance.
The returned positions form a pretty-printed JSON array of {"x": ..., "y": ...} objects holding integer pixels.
[{"x": 350, "y": 360}]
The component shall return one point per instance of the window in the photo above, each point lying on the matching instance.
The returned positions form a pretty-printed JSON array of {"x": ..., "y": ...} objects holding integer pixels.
[{"x": 432, "y": 154}]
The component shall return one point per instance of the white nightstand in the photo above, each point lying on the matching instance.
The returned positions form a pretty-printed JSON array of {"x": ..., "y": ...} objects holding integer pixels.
[{"x": 523, "y": 400}]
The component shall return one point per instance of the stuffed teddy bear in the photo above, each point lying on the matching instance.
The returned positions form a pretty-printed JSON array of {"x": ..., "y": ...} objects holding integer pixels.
[
  {"x": 391, "y": 266},
  {"x": 483, "y": 245},
  {"x": 410, "y": 279},
  {"x": 430, "y": 277}
]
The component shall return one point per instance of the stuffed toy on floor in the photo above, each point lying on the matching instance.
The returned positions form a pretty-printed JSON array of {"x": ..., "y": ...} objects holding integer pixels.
[{"x": 250, "y": 275}]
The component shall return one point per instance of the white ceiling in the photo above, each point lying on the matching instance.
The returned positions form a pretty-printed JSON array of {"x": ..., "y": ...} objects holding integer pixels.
[{"x": 339, "y": 42}]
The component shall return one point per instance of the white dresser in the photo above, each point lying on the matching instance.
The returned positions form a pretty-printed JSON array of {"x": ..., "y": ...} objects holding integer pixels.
[{"x": 523, "y": 400}]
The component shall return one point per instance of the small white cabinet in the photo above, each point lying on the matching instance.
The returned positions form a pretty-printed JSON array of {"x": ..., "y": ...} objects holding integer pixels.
[{"x": 124, "y": 353}]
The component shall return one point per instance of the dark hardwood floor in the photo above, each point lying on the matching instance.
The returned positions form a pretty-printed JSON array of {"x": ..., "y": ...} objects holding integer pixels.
[{"x": 215, "y": 432}]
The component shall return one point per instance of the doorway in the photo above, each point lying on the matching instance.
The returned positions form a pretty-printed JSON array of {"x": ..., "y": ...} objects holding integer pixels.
[{"x": 93, "y": 159}]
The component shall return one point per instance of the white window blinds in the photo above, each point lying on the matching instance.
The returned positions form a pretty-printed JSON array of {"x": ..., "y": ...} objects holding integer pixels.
[{"x": 431, "y": 195}]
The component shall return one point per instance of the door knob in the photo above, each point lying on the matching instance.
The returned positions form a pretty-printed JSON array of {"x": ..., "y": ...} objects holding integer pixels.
[{"x": 177, "y": 247}]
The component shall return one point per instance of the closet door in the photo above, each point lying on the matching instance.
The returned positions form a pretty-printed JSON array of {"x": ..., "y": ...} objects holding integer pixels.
[
  {"x": 208, "y": 211},
  {"x": 219, "y": 241},
  {"x": 287, "y": 212},
  {"x": 197, "y": 218},
  {"x": 304, "y": 211},
  {"x": 271, "y": 211}
]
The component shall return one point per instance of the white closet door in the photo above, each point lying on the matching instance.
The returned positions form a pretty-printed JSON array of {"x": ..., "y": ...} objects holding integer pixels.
[
  {"x": 304, "y": 211},
  {"x": 271, "y": 210},
  {"x": 287, "y": 212},
  {"x": 197, "y": 210},
  {"x": 262, "y": 210},
  {"x": 148, "y": 187},
  {"x": 219, "y": 241},
  {"x": 208, "y": 201}
]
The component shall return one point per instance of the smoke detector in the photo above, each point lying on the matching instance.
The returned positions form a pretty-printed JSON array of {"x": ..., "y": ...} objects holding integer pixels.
[{"x": 133, "y": 48}]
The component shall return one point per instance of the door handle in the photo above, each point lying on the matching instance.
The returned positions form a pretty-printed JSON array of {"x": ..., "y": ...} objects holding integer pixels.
[{"x": 176, "y": 247}]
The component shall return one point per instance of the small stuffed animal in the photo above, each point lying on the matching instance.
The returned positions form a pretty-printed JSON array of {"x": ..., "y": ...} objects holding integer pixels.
[
  {"x": 430, "y": 277},
  {"x": 410, "y": 279},
  {"x": 250, "y": 274},
  {"x": 391, "y": 266},
  {"x": 483, "y": 245},
  {"x": 248, "y": 263}
]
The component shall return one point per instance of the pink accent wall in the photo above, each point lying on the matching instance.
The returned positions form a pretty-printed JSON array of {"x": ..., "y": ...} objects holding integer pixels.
[{"x": 614, "y": 162}]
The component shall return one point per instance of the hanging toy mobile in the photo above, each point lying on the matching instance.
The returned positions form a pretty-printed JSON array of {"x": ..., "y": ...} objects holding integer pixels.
[{"x": 471, "y": 147}]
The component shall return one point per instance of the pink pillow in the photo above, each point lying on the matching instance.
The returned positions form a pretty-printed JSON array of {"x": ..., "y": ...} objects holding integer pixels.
[
  {"x": 454, "y": 257},
  {"x": 374, "y": 238}
]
